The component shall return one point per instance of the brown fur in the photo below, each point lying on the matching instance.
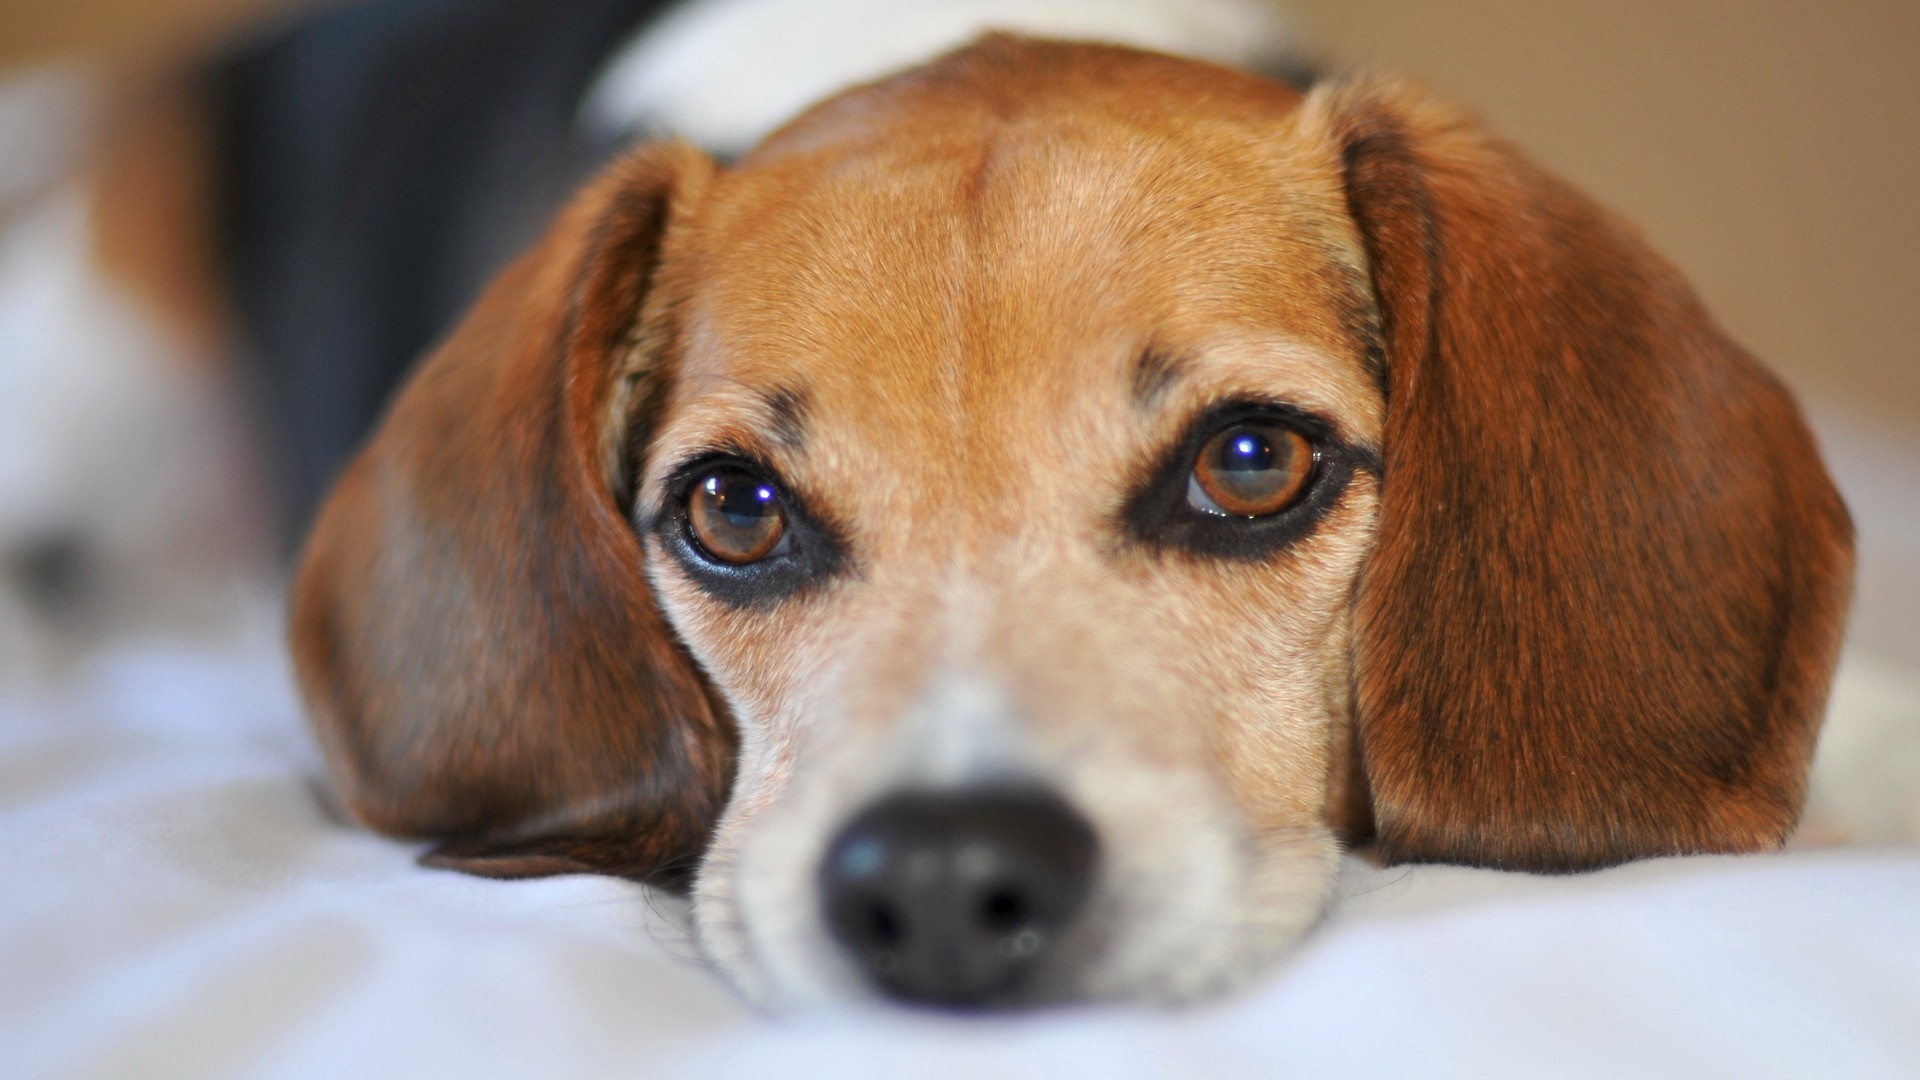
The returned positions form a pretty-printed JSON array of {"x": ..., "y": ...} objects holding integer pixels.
[
  {"x": 153, "y": 221},
  {"x": 1607, "y": 599},
  {"x": 1579, "y": 602},
  {"x": 475, "y": 636}
]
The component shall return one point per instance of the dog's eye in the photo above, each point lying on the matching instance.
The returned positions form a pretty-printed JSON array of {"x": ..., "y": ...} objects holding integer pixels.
[
  {"x": 1246, "y": 479},
  {"x": 735, "y": 516},
  {"x": 744, "y": 537},
  {"x": 1251, "y": 470}
]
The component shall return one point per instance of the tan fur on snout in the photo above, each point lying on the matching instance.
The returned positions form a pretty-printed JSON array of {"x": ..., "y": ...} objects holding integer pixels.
[{"x": 1575, "y": 603}]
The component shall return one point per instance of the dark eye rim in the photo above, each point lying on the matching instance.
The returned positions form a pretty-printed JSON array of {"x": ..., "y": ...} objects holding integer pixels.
[
  {"x": 815, "y": 548},
  {"x": 1156, "y": 514}
]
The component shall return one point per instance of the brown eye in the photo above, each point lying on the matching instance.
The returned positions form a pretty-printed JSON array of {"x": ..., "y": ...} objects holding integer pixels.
[
  {"x": 735, "y": 516},
  {"x": 1251, "y": 470}
]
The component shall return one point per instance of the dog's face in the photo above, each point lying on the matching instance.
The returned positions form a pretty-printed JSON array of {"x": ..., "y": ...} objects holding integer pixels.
[
  {"x": 971, "y": 380},
  {"x": 1030, "y": 508}
]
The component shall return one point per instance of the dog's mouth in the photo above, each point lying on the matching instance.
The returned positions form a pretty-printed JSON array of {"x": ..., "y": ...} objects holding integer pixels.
[{"x": 958, "y": 899}]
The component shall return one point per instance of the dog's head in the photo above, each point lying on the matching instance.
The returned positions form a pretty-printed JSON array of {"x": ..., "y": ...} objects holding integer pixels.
[{"x": 1007, "y": 531}]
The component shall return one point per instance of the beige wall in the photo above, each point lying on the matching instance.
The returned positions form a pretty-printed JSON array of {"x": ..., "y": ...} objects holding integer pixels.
[{"x": 1771, "y": 148}]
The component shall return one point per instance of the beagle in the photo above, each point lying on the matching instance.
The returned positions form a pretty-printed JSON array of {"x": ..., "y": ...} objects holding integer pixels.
[{"x": 997, "y": 541}]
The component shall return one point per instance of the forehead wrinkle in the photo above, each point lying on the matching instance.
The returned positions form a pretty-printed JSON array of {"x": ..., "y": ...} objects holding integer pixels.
[
  {"x": 786, "y": 408},
  {"x": 1154, "y": 372},
  {"x": 718, "y": 412},
  {"x": 1058, "y": 210},
  {"x": 735, "y": 411}
]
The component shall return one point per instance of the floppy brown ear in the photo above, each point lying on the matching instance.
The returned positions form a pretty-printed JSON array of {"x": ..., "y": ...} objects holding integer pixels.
[
  {"x": 473, "y": 632},
  {"x": 1607, "y": 596}
]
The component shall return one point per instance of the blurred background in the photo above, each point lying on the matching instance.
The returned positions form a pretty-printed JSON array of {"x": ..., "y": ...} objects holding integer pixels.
[{"x": 1771, "y": 149}]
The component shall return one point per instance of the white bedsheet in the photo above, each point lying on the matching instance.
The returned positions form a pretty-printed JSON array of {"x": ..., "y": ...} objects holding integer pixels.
[{"x": 174, "y": 901}]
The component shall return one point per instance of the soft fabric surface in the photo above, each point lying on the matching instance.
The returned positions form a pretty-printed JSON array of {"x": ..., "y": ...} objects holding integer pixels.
[{"x": 177, "y": 902}]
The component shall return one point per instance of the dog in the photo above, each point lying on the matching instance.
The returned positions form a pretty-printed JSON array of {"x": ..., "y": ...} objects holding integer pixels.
[{"x": 999, "y": 539}]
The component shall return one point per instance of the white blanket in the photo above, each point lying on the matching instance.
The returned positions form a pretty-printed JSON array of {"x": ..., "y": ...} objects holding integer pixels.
[{"x": 176, "y": 902}]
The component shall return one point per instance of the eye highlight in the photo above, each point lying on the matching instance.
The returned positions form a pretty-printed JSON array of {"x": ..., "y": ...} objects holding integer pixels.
[
  {"x": 1251, "y": 470},
  {"x": 736, "y": 517}
]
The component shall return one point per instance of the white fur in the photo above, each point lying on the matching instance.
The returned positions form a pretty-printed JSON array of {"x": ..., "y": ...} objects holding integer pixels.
[{"x": 1186, "y": 904}]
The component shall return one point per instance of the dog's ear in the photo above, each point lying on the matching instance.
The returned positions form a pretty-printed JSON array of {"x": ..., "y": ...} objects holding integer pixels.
[
  {"x": 473, "y": 631},
  {"x": 1607, "y": 594}
]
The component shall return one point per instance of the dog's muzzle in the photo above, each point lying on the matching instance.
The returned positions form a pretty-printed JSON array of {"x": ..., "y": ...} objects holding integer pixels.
[{"x": 955, "y": 898}]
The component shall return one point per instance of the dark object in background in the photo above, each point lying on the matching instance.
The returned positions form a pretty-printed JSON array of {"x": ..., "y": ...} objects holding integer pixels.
[{"x": 380, "y": 162}]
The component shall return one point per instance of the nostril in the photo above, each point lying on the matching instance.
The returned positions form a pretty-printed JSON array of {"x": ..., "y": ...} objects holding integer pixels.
[
  {"x": 52, "y": 572},
  {"x": 883, "y": 926},
  {"x": 1003, "y": 911},
  {"x": 956, "y": 898}
]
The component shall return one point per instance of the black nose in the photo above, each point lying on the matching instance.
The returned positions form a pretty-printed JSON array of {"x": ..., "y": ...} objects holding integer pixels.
[{"x": 954, "y": 898}]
